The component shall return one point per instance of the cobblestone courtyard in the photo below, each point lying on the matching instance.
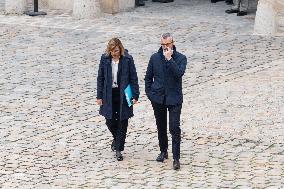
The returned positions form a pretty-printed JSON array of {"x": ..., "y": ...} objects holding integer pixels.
[{"x": 51, "y": 135}]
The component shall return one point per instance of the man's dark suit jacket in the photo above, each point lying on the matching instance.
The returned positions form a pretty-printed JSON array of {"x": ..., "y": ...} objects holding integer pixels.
[{"x": 163, "y": 79}]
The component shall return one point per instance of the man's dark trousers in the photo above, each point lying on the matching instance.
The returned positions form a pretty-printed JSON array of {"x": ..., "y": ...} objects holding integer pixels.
[{"x": 160, "y": 112}]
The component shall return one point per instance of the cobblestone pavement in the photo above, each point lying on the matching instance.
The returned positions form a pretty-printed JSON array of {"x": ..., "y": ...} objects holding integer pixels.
[{"x": 51, "y": 135}]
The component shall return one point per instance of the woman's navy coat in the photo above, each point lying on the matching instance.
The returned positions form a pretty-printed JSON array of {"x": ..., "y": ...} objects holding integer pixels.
[{"x": 126, "y": 75}]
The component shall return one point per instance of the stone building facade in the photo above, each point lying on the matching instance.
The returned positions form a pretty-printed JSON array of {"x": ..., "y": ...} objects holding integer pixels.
[
  {"x": 269, "y": 16},
  {"x": 79, "y": 8}
]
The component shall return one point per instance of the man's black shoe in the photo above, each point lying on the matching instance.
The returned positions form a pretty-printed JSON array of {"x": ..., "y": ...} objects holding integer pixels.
[
  {"x": 162, "y": 1},
  {"x": 162, "y": 156},
  {"x": 215, "y": 1},
  {"x": 229, "y": 2},
  {"x": 119, "y": 156},
  {"x": 230, "y": 11},
  {"x": 139, "y": 3},
  {"x": 113, "y": 148},
  {"x": 176, "y": 164},
  {"x": 242, "y": 13}
]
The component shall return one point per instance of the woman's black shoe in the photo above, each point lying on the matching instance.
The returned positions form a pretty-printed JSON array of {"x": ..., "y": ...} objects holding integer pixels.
[
  {"x": 162, "y": 156},
  {"x": 119, "y": 156}
]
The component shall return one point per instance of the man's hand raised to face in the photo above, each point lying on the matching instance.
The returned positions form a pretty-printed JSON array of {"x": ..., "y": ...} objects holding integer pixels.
[{"x": 168, "y": 52}]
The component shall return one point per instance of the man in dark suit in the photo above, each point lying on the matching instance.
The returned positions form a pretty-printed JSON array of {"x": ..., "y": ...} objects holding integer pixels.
[
  {"x": 229, "y": 2},
  {"x": 163, "y": 1},
  {"x": 139, "y": 3},
  {"x": 163, "y": 86},
  {"x": 240, "y": 7},
  {"x": 215, "y": 1}
]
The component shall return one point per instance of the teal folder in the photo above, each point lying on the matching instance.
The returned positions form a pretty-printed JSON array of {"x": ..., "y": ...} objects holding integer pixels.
[{"x": 128, "y": 95}]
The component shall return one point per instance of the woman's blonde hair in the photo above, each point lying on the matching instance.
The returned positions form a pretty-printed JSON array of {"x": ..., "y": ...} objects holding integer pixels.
[{"x": 114, "y": 42}]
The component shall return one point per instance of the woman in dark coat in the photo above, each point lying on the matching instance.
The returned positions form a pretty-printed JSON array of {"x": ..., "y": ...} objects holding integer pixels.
[{"x": 116, "y": 72}]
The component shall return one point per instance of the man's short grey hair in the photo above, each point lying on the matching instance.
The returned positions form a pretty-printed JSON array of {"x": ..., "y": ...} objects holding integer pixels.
[{"x": 167, "y": 35}]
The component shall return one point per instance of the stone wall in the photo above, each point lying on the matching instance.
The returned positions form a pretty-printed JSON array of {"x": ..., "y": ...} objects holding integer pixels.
[
  {"x": 279, "y": 17},
  {"x": 115, "y": 6},
  {"x": 80, "y": 8},
  {"x": 265, "y": 18},
  {"x": 2, "y": 5},
  {"x": 86, "y": 9},
  {"x": 109, "y": 6},
  {"x": 269, "y": 18},
  {"x": 126, "y": 5},
  {"x": 52, "y": 4},
  {"x": 15, "y": 6},
  {"x": 61, "y": 4}
]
